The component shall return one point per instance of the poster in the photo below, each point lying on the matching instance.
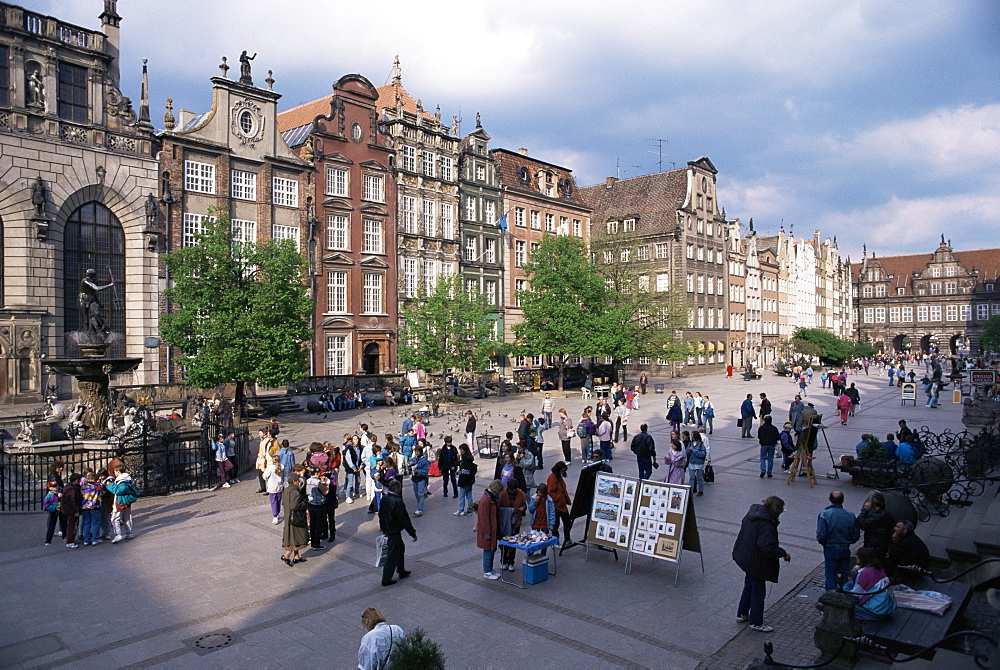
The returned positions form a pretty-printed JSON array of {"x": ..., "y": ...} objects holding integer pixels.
[
  {"x": 659, "y": 513},
  {"x": 612, "y": 511}
]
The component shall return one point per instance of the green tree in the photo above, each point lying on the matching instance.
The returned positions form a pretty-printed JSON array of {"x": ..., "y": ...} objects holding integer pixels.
[
  {"x": 563, "y": 304},
  {"x": 637, "y": 320},
  {"x": 990, "y": 341},
  {"x": 447, "y": 329},
  {"x": 239, "y": 311},
  {"x": 863, "y": 350},
  {"x": 831, "y": 349}
]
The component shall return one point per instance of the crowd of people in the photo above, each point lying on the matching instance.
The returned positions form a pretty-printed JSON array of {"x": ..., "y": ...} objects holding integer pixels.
[{"x": 90, "y": 507}]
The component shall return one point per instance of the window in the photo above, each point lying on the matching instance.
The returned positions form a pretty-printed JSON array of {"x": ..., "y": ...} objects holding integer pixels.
[
  {"x": 286, "y": 233},
  {"x": 374, "y": 188},
  {"x": 701, "y": 225},
  {"x": 536, "y": 361},
  {"x": 520, "y": 253},
  {"x": 922, "y": 313},
  {"x": 520, "y": 285},
  {"x": 900, "y": 291},
  {"x": 893, "y": 315},
  {"x": 336, "y": 231},
  {"x": 471, "y": 286},
  {"x": 701, "y": 283},
  {"x": 244, "y": 185},
  {"x": 626, "y": 255},
  {"x": 628, "y": 226},
  {"x": 642, "y": 253},
  {"x": 869, "y": 315},
  {"x": 72, "y": 93},
  {"x": 4, "y": 78},
  {"x": 519, "y": 217},
  {"x": 427, "y": 163},
  {"x": 409, "y": 207},
  {"x": 982, "y": 312},
  {"x": 336, "y": 292},
  {"x": 690, "y": 251},
  {"x": 470, "y": 249},
  {"x": 719, "y": 286},
  {"x": 336, "y": 181},
  {"x": 336, "y": 355},
  {"x": 880, "y": 315},
  {"x": 880, "y": 291},
  {"x": 719, "y": 313},
  {"x": 534, "y": 247},
  {"x": 935, "y": 313},
  {"x": 408, "y": 158},
  {"x": 710, "y": 323},
  {"x": 907, "y": 316},
  {"x": 244, "y": 232},
  {"x": 662, "y": 282},
  {"x": 609, "y": 257},
  {"x": 490, "y": 246},
  {"x": 409, "y": 277},
  {"x": 535, "y": 220},
  {"x": 936, "y": 288},
  {"x": 577, "y": 228},
  {"x": 550, "y": 223},
  {"x": 470, "y": 208},
  {"x": 661, "y": 250},
  {"x": 563, "y": 225},
  {"x": 429, "y": 269},
  {"x": 447, "y": 221},
  {"x": 711, "y": 256},
  {"x": 700, "y": 322},
  {"x": 427, "y": 219},
  {"x": 194, "y": 225},
  {"x": 491, "y": 291},
  {"x": 701, "y": 253},
  {"x": 935, "y": 272},
  {"x": 690, "y": 283},
  {"x": 199, "y": 177},
  {"x": 480, "y": 172},
  {"x": 447, "y": 166},
  {"x": 286, "y": 192},
  {"x": 949, "y": 271},
  {"x": 643, "y": 283},
  {"x": 371, "y": 242},
  {"x": 866, "y": 291},
  {"x": 373, "y": 294},
  {"x": 490, "y": 212},
  {"x": 950, "y": 287},
  {"x": 951, "y": 312},
  {"x": 93, "y": 238},
  {"x": 964, "y": 311}
]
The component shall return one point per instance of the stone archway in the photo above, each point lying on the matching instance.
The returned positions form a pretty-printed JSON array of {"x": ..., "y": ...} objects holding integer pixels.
[
  {"x": 929, "y": 344},
  {"x": 371, "y": 358},
  {"x": 901, "y": 342},
  {"x": 959, "y": 344}
]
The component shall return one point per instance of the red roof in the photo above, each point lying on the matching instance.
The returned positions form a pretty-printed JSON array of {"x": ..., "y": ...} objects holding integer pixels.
[
  {"x": 901, "y": 268},
  {"x": 387, "y": 99},
  {"x": 303, "y": 114}
]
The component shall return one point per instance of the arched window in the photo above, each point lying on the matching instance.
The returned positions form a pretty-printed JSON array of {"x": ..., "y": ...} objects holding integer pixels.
[{"x": 94, "y": 239}]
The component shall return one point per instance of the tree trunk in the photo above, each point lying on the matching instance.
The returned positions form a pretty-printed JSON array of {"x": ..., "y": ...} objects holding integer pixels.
[
  {"x": 562, "y": 373},
  {"x": 238, "y": 401}
]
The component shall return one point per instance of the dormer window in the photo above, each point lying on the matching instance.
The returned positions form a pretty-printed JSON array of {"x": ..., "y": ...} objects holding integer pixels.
[{"x": 522, "y": 175}]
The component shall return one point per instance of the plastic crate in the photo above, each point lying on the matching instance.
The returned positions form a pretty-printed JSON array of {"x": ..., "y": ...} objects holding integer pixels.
[{"x": 535, "y": 569}]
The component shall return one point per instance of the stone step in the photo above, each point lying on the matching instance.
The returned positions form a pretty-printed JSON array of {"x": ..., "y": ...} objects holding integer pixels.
[{"x": 943, "y": 658}]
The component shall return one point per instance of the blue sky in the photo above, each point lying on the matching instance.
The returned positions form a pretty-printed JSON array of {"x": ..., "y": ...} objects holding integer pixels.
[{"x": 877, "y": 122}]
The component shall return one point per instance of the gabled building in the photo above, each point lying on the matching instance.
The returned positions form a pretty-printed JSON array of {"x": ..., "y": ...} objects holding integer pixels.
[
  {"x": 480, "y": 227},
  {"x": 354, "y": 243},
  {"x": 78, "y": 185},
  {"x": 540, "y": 198},
  {"x": 231, "y": 156},
  {"x": 934, "y": 303},
  {"x": 736, "y": 260},
  {"x": 678, "y": 225}
]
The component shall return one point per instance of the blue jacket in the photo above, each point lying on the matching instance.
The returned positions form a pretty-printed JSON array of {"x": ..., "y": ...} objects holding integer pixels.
[
  {"x": 890, "y": 448},
  {"x": 421, "y": 466},
  {"x": 836, "y": 526},
  {"x": 906, "y": 453},
  {"x": 747, "y": 410},
  {"x": 406, "y": 444},
  {"x": 696, "y": 453}
]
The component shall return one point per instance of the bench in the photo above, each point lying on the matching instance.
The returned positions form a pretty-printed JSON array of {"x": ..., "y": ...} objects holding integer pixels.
[{"x": 747, "y": 376}]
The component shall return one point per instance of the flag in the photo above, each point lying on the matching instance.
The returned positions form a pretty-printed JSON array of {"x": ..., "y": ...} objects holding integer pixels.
[{"x": 503, "y": 223}]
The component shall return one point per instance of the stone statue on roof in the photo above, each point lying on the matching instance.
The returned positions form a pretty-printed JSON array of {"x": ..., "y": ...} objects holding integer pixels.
[{"x": 245, "y": 77}]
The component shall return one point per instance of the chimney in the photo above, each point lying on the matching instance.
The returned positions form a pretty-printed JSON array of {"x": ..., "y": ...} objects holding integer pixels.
[
  {"x": 816, "y": 238},
  {"x": 522, "y": 151},
  {"x": 609, "y": 182},
  {"x": 112, "y": 43},
  {"x": 184, "y": 117}
]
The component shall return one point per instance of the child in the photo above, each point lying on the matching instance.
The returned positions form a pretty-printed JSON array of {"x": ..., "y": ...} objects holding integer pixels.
[
  {"x": 107, "y": 503},
  {"x": 91, "y": 517},
  {"x": 72, "y": 500},
  {"x": 274, "y": 480},
  {"x": 51, "y": 505},
  {"x": 125, "y": 493},
  {"x": 286, "y": 457}
]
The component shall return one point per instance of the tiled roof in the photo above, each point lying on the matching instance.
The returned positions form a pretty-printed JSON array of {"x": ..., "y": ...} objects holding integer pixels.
[
  {"x": 509, "y": 163},
  {"x": 387, "y": 100},
  {"x": 902, "y": 267},
  {"x": 653, "y": 198},
  {"x": 303, "y": 114}
]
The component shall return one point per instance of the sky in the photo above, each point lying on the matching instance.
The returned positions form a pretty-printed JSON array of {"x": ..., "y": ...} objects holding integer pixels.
[{"x": 875, "y": 122}]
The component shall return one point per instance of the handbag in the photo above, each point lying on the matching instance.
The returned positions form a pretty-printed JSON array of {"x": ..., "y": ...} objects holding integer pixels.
[
  {"x": 381, "y": 550},
  {"x": 739, "y": 423},
  {"x": 709, "y": 474},
  {"x": 298, "y": 518}
]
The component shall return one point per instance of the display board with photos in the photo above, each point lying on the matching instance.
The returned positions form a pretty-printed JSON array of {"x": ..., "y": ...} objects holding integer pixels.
[
  {"x": 659, "y": 519},
  {"x": 612, "y": 510}
]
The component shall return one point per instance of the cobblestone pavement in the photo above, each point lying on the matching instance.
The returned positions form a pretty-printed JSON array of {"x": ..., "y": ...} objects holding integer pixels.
[{"x": 207, "y": 562}]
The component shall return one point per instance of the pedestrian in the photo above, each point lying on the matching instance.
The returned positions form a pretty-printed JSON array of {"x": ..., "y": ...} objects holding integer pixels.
[
  {"x": 676, "y": 462},
  {"x": 72, "y": 506},
  {"x": 604, "y": 432},
  {"x": 107, "y": 503},
  {"x": 622, "y": 413},
  {"x": 556, "y": 485},
  {"x": 836, "y": 530},
  {"x": 513, "y": 505},
  {"x": 585, "y": 431},
  {"x": 230, "y": 442},
  {"x": 548, "y": 405},
  {"x": 675, "y": 414},
  {"x": 420, "y": 467},
  {"x": 51, "y": 505},
  {"x": 352, "y": 469},
  {"x": 447, "y": 459},
  {"x": 709, "y": 414},
  {"x": 536, "y": 442},
  {"x": 689, "y": 415},
  {"x": 565, "y": 435},
  {"x": 316, "y": 489},
  {"x": 795, "y": 412},
  {"x": 697, "y": 454},
  {"x": 393, "y": 520},
  {"x": 768, "y": 436},
  {"x": 525, "y": 461},
  {"x": 470, "y": 428},
  {"x": 757, "y": 552},
  {"x": 802, "y": 386},
  {"x": 643, "y": 381},
  {"x": 406, "y": 444},
  {"x": 843, "y": 406},
  {"x": 747, "y": 415},
  {"x": 644, "y": 448},
  {"x": 765, "y": 406},
  {"x": 90, "y": 517},
  {"x": 286, "y": 457},
  {"x": 876, "y": 522},
  {"x": 467, "y": 470},
  {"x": 126, "y": 493},
  {"x": 221, "y": 462},
  {"x": 295, "y": 536},
  {"x": 868, "y": 579},
  {"x": 488, "y": 526},
  {"x": 267, "y": 439},
  {"x": 378, "y": 643},
  {"x": 699, "y": 409},
  {"x": 55, "y": 480},
  {"x": 787, "y": 443},
  {"x": 855, "y": 397},
  {"x": 274, "y": 476},
  {"x": 542, "y": 510}
]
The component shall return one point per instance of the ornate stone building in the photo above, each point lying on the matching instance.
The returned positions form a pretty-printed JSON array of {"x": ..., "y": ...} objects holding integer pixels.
[
  {"x": 231, "y": 156},
  {"x": 736, "y": 260},
  {"x": 682, "y": 234},
  {"x": 77, "y": 171},
  {"x": 353, "y": 249},
  {"x": 933, "y": 303}
]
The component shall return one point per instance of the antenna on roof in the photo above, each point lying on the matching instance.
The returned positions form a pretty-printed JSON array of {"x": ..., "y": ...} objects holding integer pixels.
[
  {"x": 659, "y": 151},
  {"x": 618, "y": 167}
]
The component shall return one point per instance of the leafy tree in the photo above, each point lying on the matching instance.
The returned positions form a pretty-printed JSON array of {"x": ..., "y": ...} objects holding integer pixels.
[
  {"x": 863, "y": 350},
  {"x": 447, "y": 329},
  {"x": 831, "y": 349},
  {"x": 240, "y": 311},
  {"x": 564, "y": 304},
  {"x": 637, "y": 320},
  {"x": 990, "y": 341}
]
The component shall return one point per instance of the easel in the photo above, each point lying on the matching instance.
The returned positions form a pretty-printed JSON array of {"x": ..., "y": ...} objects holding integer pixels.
[{"x": 803, "y": 462}]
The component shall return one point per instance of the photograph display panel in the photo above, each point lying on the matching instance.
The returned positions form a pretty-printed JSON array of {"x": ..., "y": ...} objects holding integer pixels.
[
  {"x": 659, "y": 519},
  {"x": 612, "y": 511}
]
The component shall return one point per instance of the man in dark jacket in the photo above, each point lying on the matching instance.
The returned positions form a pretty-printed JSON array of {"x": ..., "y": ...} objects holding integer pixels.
[
  {"x": 756, "y": 552},
  {"x": 765, "y": 406},
  {"x": 836, "y": 531},
  {"x": 769, "y": 436},
  {"x": 72, "y": 506},
  {"x": 747, "y": 415},
  {"x": 448, "y": 462},
  {"x": 644, "y": 449},
  {"x": 393, "y": 520},
  {"x": 470, "y": 429},
  {"x": 876, "y": 523},
  {"x": 855, "y": 395},
  {"x": 907, "y": 549}
]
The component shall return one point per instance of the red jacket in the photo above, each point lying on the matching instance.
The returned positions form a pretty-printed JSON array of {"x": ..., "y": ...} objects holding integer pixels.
[
  {"x": 488, "y": 526},
  {"x": 518, "y": 502},
  {"x": 558, "y": 492}
]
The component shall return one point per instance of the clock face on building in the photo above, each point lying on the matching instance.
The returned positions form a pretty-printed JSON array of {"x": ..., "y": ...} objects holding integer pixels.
[{"x": 356, "y": 131}]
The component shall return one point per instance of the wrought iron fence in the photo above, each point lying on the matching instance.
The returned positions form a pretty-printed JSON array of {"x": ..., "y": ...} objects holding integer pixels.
[{"x": 160, "y": 463}]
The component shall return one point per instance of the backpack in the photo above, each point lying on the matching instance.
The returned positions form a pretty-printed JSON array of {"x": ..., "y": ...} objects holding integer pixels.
[{"x": 582, "y": 430}]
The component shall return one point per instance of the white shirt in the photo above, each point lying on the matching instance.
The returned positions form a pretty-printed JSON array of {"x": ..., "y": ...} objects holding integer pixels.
[{"x": 376, "y": 646}]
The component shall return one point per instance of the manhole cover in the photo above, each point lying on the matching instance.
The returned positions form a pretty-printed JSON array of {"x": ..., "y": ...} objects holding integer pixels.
[{"x": 209, "y": 642}]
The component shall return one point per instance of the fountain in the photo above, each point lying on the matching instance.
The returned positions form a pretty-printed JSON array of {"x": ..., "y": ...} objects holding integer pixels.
[{"x": 93, "y": 370}]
